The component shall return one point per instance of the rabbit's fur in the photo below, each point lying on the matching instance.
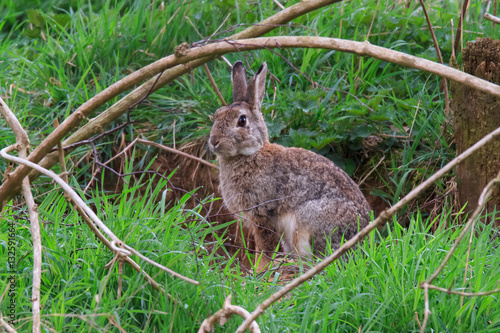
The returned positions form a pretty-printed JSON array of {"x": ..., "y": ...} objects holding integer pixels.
[{"x": 283, "y": 192}]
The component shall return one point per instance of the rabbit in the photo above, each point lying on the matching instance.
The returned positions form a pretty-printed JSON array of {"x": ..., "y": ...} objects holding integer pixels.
[{"x": 288, "y": 194}]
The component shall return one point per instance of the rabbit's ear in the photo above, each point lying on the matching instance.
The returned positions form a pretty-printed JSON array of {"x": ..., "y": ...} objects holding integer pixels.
[
  {"x": 257, "y": 87},
  {"x": 239, "y": 79}
]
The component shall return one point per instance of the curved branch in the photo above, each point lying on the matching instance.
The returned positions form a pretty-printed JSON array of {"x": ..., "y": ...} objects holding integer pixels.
[
  {"x": 116, "y": 243},
  {"x": 221, "y": 316}
]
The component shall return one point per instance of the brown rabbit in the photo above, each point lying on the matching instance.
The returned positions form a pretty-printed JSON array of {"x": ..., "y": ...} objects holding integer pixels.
[{"x": 288, "y": 193}]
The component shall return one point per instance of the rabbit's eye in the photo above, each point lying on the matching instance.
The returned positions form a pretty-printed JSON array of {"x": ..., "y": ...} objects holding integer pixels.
[{"x": 242, "y": 121}]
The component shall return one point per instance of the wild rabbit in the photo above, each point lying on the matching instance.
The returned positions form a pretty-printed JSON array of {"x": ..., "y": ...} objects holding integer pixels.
[{"x": 288, "y": 193}]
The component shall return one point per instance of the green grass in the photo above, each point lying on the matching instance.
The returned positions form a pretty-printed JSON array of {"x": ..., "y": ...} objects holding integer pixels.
[{"x": 375, "y": 289}]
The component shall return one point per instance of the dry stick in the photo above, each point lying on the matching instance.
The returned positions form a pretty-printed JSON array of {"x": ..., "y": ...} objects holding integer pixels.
[
  {"x": 11, "y": 184},
  {"x": 449, "y": 291},
  {"x": 115, "y": 243},
  {"x": 495, "y": 10},
  {"x": 436, "y": 45},
  {"x": 459, "y": 35},
  {"x": 427, "y": 312},
  {"x": 427, "y": 284},
  {"x": 481, "y": 202},
  {"x": 279, "y": 4},
  {"x": 379, "y": 221},
  {"x": 488, "y": 16},
  {"x": 22, "y": 145},
  {"x": 122, "y": 152},
  {"x": 178, "y": 152},
  {"x": 467, "y": 265},
  {"x": 200, "y": 54},
  {"x": 373, "y": 20},
  {"x": 106, "y": 242},
  {"x": 416, "y": 319},
  {"x": 221, "y": 316},
  {"x": 62, "y": 162},
  {"x": 212, "y": 82},
  {"x": 6, "y": 326}
]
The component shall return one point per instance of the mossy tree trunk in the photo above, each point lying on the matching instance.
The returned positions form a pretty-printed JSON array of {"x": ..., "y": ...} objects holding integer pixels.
[{"x": 475, "y": 115}]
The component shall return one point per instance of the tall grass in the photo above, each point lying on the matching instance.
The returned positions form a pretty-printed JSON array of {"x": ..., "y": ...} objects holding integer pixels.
[{"x": 375, "y": 289}]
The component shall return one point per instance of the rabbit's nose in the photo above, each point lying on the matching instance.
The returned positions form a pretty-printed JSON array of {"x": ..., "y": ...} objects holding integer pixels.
[{"x": 214, "y": 141}]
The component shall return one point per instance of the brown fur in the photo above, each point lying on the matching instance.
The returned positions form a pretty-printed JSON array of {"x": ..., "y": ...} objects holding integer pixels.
[{"x": 282, "y": 192}]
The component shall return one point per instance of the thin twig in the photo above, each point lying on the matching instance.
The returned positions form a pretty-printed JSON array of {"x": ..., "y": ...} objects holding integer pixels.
[
  {"x": 418, "y": 321},
  {"x": 122, "y": 152},
  {"x": 427, "y": 311},
  {"x": 154, "y": 263},
  {"x": 467, "y": 261},
  {"x": 459, "y": 36},
  {"x": 212, "y": 82},
  {"x": 279, "y": 4},
  {"x": 379, "y": 221},
  {"x": 436, "y": 46},
  {"x": 178, "y": 152},
  {"x": 373, "y": 20},
  {"x": 371, "y": 171},
  {"x": 217, "y": 30},
  {"x": 449, "y": 291},
  {"x": 481, "y": 202}
]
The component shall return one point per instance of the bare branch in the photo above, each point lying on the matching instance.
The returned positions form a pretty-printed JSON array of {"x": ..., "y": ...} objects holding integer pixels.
[
  {"x": 436, "y": 46},
  {"x": 116, "y": 243},
  {"x": 449, "y": 291},
  {"x": 212, "y": 82},
  {"x": 22, "y": 146},
  {"x": 459, "y": 36},
  {"x": 379, "y": 221},
  {"x": 6, "y": 326},
  {"x": 490, "y": 17},
  {"x": 178, "y": 152},
  {"x": 223, "y": 314},
  {"x": 154, "y": 263}
]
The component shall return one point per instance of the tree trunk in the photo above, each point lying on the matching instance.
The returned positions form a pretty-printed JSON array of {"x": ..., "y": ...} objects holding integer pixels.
[{"x": 475, "y": 115}]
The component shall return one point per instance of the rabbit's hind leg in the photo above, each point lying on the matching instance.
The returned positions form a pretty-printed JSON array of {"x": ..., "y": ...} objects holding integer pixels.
[{"x": 266, "y": 242}]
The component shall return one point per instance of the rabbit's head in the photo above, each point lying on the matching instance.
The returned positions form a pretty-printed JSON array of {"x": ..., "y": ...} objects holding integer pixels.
[{"x": 239, "y": 128}]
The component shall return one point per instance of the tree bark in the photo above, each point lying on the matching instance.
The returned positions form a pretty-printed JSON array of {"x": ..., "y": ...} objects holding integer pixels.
[{"x": 476, "y": 114}]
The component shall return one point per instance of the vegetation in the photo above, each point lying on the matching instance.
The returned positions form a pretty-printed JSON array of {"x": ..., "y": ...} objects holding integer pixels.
[{"x": 381, "y": 123}]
